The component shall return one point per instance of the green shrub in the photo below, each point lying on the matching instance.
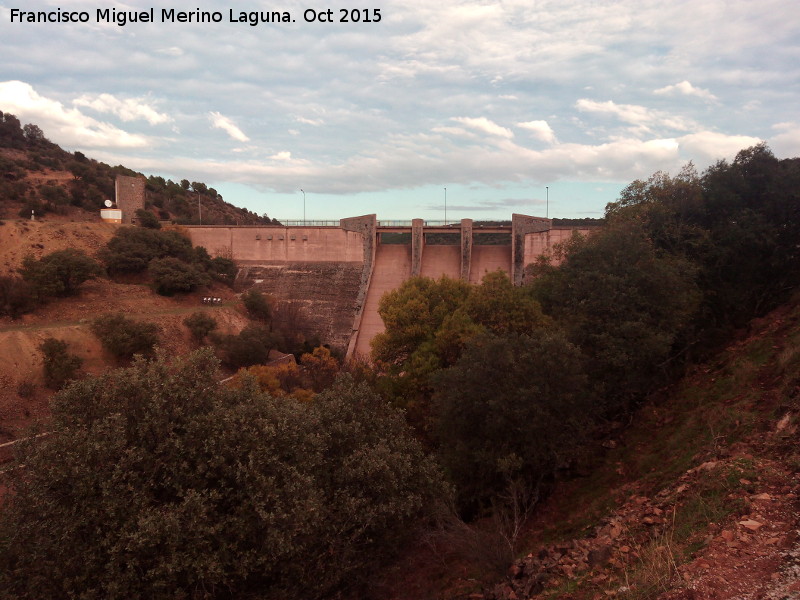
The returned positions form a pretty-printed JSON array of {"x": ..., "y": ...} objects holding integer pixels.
[
  {"x": 223, "y": 269},
  {"x": 159, "y": 483},
  {"x": 258, "y": 305},
  {"x": 59, "y": 273},
  {"x": 171, "y": 275},
  {"x": 17, "y": 296},
  {"x": 132, "y": 248},
  {"x": 59, "y": 365},
  {"x": 147, "y": 219},
  {"x": 200, "y": 324},
  {"x": 250, "y": 347},
  {"x": 512, "y": 410},
  {"x": 123, "y": 337}
]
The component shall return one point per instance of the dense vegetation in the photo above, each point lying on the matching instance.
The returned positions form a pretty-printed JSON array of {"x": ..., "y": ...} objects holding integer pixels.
[
  {"x": 159, "y": 483},
  {"x": 680, "y": 263}
]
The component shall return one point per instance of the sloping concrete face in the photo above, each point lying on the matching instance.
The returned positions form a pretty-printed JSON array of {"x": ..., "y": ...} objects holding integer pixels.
[
  {"x": 486, "y": 259},
  {"x": 317, "y": 275},
  {"x": 441, "y": 260},
  {"x": 316, "y": 299},
  {"x": 521, "y": 225},
  {"x": 392, "y": 267}
]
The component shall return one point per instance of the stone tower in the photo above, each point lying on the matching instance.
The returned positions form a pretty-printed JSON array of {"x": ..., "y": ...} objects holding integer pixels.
[{"x": 130, "y": 196}]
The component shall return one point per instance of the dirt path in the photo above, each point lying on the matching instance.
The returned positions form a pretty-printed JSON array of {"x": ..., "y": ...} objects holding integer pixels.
[{"x": 182, "y": 310}]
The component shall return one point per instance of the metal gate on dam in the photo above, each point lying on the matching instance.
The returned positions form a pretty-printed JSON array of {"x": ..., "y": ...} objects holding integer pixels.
[{"x": 336, "y": 274}]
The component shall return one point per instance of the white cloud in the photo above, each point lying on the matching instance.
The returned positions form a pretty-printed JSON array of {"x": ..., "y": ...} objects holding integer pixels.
[
  {"x": 540, "y": 129},
  {"x": 787, "y": 141},
  {"x": 129, "y": 109},
  {"x": 711, "y": 146},
  {"x": 687, "y": 89},
  {"x": 641, "y": 116},
  {"x": 220, "y": 121},
  {"x": 485, "y": 125},
  {"x": 67, "y": 125},
  {"x": 305, "y": 121},
  {"x": 285, "y": 155}
]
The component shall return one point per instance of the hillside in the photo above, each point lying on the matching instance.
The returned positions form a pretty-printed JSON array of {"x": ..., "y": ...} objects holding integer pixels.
[
  {"x": 37, "y": 175},
  {"x": 697, "y": 498},
  {"x": 23, "y": 396}
]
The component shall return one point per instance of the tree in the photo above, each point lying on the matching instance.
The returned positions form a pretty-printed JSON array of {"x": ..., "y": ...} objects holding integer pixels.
[
  {"x": 16, "y": 296},
  {"x": 132, "y": 248},
  {"x": 159, "y": 483},
  {"x": 413, "y": 312},
  {"x": 200, "y": 324},
  {"x": 59, "y": 365},
  {"x": 223, "y": 269},
  {"x": 501, "y": 307},
  {"x": 59, "y": 273},
  {"x": 147, "y": 219},
  {"x": 429, "y": 323},
  {"x": 11, "y": 134},
  {"x": 250, "y": 347},
  {"x": 171, "y": 275},
  {"x": 623, "y": 303},
  {"x": 279, "y": 381},
  {"x": 321, "y": 367},
  {"x": 34, "y": 135},
  {"x": 123, "y": 337},
  {"x": 258, "y": 305},
  {"x": 513, "y": 409}
]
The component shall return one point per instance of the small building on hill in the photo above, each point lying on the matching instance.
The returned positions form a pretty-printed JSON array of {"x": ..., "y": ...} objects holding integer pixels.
[{"x": 130, "y": 196}]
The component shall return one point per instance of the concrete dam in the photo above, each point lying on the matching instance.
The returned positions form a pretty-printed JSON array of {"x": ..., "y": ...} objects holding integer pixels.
[{"x": 330, "y": 278}]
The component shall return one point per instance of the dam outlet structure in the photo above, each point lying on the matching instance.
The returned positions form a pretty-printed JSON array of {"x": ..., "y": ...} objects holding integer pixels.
[{"x": 333, "y": 276}]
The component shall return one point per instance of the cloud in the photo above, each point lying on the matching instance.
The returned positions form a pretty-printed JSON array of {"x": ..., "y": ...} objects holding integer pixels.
[
  {"x": 305, "y": 121},
  {"x": 645, "y": 118},
  {"x": 540, "y": 129},
  {"x": 711, "y": 145},
  {"x": 502, "y": 205},
  {"x": 129, "y": 109},
  {"x": 687, "y": 89},
  {"x": 220, "y": 121},
  {"x": 171, "y": 51},
  {"x": 787, "y": 141},
  {"x": 485, "y": 125},
  {"x": 285, "y": 155},
  {"x": 67, "y": 125}
]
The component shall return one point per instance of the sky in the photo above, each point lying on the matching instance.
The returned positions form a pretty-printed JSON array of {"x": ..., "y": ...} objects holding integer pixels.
[{"x": 448, "y": 109}]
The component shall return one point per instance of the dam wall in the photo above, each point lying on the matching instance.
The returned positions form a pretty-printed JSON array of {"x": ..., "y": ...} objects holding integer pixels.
[
  {"x": 316, "y": 275},
  {"x": 280, "y": 244},
  {"x": 329, "y": 280},
  {"x": 315, "y": 299}
]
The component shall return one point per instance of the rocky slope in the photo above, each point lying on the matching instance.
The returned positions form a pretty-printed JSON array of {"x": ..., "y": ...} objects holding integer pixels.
[
  {"x": 703, "y": 491},
  {"x": 697, "y": 498}
]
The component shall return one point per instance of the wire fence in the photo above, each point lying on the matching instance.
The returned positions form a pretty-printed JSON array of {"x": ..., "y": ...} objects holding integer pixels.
[
  {"x": 383, "y": 223},
  {"x": 301, "y": 223}
]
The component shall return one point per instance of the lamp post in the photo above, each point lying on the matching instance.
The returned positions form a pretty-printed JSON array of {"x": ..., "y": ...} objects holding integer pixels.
[
  {"x": 547, "y": 202},
  {"x": 445, "y": 206},
  {"x": 199, "y": 210},
  {"x": 304, "y": 206}
]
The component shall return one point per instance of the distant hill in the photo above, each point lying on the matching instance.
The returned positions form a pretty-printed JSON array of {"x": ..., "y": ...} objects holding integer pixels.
[{"x": 38, "y": 175}]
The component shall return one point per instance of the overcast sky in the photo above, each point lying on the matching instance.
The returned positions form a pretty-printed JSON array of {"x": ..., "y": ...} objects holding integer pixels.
[{"x": 503, "y": 103}]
